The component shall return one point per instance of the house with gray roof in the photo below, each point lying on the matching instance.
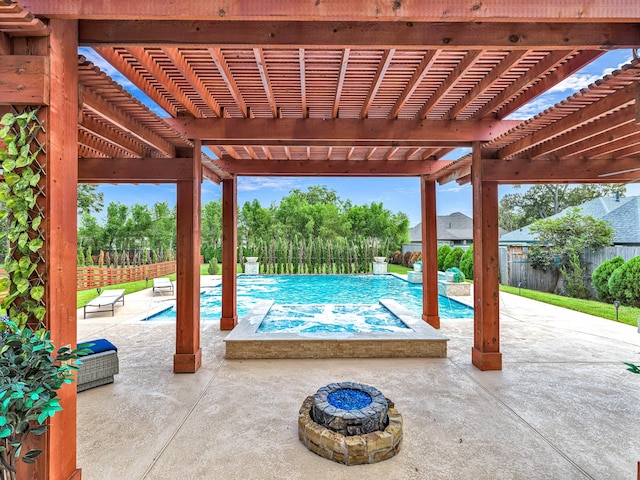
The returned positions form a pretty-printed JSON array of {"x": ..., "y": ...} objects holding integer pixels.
[
  {"x": 623, "y": 214},
  {"x": 455, "y": 229}
]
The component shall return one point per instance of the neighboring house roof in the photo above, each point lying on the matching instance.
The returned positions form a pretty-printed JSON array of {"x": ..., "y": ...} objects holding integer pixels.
[
  {"x": 456, "y": 226},
  {"x": 622, "y": 214}
]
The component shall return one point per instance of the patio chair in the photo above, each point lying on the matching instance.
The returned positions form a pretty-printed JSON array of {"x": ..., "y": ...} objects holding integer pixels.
[
  {"x": 107, "y": 298},
  {"x": 162, "y": 284}
]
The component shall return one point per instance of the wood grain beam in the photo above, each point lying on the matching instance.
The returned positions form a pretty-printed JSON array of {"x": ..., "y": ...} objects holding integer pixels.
[
  {"x": 619, "y": 99},
  {"x": 294, "y": 10},
  {"x": 134, "y": 170},
  {"x": 24, "y": 80},
  {"x": 383, "y": 66},
  {"x": 227, "y": 77},
  {"x": 329, "y": 168},
  {"x": 574, "y": 170},
  {"x": 550, "y": 80},
  {"x": 143, "y": 58},
  {"x": 112, "y": 136},
  {"x": 266, "y": 83},
  {"x": 343, "y": 72},
  {"x": 360, "y": 33},
  {"x": 113, "y": 115},
  {"x": 112, "y": 56},
  {"x": 505, "y": 65},
  {"x": 192, "y": 77},
  {"x": 450, "y": 82},
  {"x": 425, "y": 65},
  {"x": 600, "y": 144},
  {"x": 311, "y": 131},
  {"x": 512, "y": 94},
  {"x": 587, "y": 136}
]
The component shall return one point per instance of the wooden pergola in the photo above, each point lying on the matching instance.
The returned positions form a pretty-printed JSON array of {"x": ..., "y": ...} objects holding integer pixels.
[{"x": 340, "y": 88}]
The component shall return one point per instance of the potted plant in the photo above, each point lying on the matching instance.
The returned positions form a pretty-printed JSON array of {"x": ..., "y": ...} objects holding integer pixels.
[{"x": 31, "y": 373}]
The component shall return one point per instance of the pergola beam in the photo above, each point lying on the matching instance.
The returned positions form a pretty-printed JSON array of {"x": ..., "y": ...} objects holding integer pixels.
[
  {"x": 353, "y": 34},
  {"x": 111, "y": 114},
  {"x": 134, "y": 170},
  {"x": 455, "y": 10},
  {"x": 574, "y": 170},
  {"x": 328, "y": 168},
  {"x": 350, "y": 132}
]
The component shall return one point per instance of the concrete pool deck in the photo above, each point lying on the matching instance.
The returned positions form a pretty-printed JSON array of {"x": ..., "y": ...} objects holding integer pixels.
[{"x": 563, "y": 407}]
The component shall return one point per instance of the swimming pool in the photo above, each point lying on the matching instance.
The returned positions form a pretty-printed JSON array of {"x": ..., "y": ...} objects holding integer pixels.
[{"x": 320, "y": 289}]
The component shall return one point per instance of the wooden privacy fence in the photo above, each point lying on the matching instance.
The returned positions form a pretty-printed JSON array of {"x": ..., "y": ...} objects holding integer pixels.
[
  {"x": 516, "y": 269},
  {"x": 93, "y": 277}
]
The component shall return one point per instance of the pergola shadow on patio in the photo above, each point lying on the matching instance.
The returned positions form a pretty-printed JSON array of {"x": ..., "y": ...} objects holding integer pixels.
[
  {"x": 563, "y": 407},
  {"x": 318, "y": 88}
]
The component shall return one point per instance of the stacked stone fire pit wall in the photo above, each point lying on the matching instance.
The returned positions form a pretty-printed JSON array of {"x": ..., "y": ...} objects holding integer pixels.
[{"x": 350, "y": 450}]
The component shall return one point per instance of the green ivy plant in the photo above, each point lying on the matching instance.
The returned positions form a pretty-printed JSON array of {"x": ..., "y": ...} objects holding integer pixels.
[
  {"x": 19, "y": 193},
  {"x": 31, "y": 373}
]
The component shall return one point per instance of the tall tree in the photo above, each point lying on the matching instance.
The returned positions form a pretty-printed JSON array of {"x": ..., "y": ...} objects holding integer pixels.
[
  {"x": 89, "y": 199},
  {"x": 255, "y": 223},
  {"x": 541, "y": 201},
  {"x": 211, "y": 228},
  {"x": 562, "y": 242}
]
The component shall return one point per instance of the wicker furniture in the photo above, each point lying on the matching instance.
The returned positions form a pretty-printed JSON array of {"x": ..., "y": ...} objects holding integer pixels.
[{"x": 98, "y": 368}]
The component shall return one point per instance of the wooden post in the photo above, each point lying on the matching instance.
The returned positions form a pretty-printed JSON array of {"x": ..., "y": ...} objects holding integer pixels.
[
  {"x": 60, "y": 162},
  {"x": 429, "y": 253},
  {"x": 188, "y": 357},
  {"x": 229, "y": 317},
  {"x": 486, "y": 350}
]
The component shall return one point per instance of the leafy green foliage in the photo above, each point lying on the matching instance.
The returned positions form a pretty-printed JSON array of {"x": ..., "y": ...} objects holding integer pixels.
[
  {"x": 443, "y": 252},
  {"x": 19, "y": 192},
  {"x": 632, "y": 367},
  {"x": 564, "y": 240},
  {"x": 31, "y": 373},
  {"x": 466, "y": 262},
  {"x": 453, "y": 259},
  {"x": 214, "y": 267},
  {"x": 624, "y": 283},
  {"x": 601, "y": 275},
  {"x": 517, "y": 210}
]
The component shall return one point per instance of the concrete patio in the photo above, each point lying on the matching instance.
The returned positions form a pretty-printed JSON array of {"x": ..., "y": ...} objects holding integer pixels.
[{"x": 563, "y": 407}]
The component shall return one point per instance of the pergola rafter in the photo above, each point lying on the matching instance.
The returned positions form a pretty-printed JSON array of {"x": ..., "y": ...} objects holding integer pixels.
[{"x": 338, "y": 87}]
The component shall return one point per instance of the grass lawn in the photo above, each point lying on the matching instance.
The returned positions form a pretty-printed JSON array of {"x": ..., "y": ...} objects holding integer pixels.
[{"x": 628, "y": 315}]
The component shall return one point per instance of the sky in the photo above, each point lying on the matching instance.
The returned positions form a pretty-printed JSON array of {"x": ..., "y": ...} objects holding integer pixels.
[{"x": 396, "y": 194}]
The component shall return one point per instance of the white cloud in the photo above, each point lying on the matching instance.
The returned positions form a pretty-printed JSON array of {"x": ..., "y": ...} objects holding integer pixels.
[
  {"x": 531, "y": 109},
  {"x": 249, "y": 184},
  {"x": 575, "y": 82}
]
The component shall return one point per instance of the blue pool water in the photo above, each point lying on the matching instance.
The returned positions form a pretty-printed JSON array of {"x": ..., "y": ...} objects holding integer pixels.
[
  {"x": 319, "y": 290},
  {"x": 331, "y": 318}
]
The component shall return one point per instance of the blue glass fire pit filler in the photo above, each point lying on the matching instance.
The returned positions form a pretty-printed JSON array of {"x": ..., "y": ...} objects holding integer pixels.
[{"x": 349, "y": 399}]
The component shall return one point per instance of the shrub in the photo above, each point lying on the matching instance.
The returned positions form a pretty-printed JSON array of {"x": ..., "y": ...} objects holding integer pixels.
[
  {"x": 466, "y": 262},
  {"x": 601, "y": 275},
  {"x": 443, "y": 252},
  {"x": 624, "y": 284},
  {"x": 214, "y": 268},
  {"x": 453, "y": 259}
]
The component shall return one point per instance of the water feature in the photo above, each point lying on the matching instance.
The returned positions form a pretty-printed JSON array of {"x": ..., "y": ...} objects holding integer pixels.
[{"x": 321, "y": 289}]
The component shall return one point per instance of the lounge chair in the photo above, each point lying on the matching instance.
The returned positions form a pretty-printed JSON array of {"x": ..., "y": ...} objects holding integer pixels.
[
  {"x": 162, "y": 284},
  {"x": 108, "y": 298}
]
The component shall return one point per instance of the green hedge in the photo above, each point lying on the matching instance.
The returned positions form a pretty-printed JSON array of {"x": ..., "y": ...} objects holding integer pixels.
[{"x": 601, "y": 275}]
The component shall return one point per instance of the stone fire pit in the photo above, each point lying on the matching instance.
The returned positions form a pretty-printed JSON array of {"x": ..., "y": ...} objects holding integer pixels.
[{"x": 350, "y": 423}]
